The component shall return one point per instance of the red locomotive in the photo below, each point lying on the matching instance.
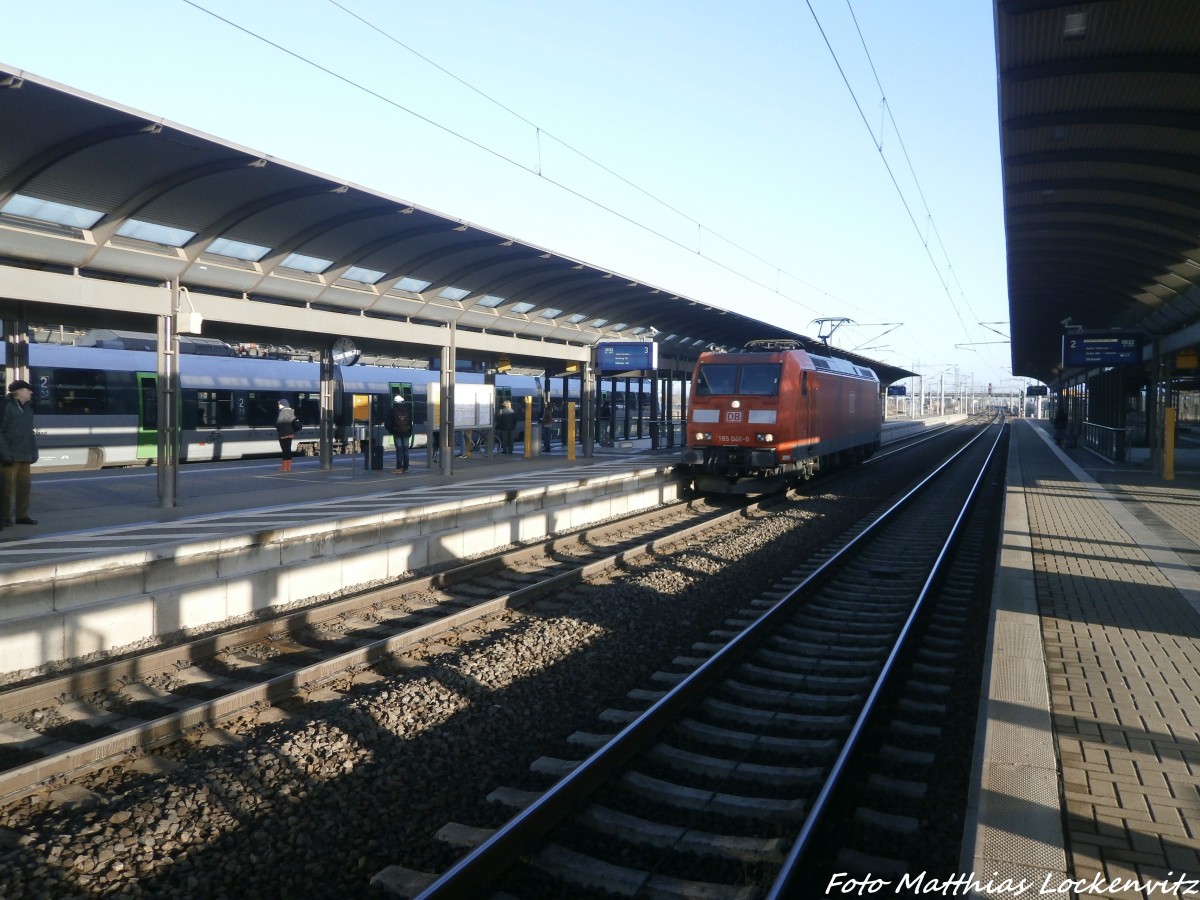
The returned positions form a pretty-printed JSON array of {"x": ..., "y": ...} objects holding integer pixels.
[{"x": 773, "y": 413}]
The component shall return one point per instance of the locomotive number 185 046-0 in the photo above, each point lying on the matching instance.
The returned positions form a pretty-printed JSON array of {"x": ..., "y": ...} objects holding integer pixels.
[{"x": 733, "y": 439}]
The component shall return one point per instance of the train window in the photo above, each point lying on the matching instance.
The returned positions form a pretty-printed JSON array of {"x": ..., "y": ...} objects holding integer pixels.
[
  {"x": 214, "y": 409},
  {"x": 714, "y": 380},
  {"x": 190, "y": 415},
  {"x": 149, "y": 408},
  {"x": 308, "y": 408},
  {"x": 760, "y": 380},
  {"x": 83, "y": 391},
  {"x": 261, "y": 408}
]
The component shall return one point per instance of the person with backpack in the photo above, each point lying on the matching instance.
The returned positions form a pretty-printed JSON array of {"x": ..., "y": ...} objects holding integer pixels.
[
  {"x": 399, "y": 426},
  {"x": 286, "y": 426}
]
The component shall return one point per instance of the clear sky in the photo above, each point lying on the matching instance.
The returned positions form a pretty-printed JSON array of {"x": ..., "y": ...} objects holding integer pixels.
[{"x": 792, "y": 160}]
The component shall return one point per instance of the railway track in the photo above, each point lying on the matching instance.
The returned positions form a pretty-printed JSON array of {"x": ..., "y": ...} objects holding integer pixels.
[
  {"x": 59, "y": 728},
  {"x": 717, "y": 780}
]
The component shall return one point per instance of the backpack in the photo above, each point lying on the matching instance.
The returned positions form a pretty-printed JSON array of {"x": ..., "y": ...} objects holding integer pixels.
[
  {"x": 403, "y": 424},
  {"x": 296, "y": 426}
]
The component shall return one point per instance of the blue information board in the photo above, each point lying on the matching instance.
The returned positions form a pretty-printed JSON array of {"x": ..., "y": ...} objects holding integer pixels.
[
  {"x": 620, "y": 356},
  {"x": 1101, "y": 349},
  {"x": 897, "y": 390}
]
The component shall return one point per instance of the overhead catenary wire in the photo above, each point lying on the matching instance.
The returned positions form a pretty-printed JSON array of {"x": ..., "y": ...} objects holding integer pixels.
[
  {"x": 539, "y": 171},
  {"x": 700, "y": 227},
  {"x": 879, "y": 146}
]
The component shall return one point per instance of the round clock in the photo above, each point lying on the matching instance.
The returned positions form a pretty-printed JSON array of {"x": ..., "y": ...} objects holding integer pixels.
[{"x": 345, "y": 353}]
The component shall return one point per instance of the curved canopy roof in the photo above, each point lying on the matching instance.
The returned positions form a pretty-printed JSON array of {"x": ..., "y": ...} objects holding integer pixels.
[
  {"x": 91, "y": 187},
  {"x": 1100, "y": 144}
]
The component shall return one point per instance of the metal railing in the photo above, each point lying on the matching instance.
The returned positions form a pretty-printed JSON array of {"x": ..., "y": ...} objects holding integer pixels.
[{"x": 1105, "y": 440}]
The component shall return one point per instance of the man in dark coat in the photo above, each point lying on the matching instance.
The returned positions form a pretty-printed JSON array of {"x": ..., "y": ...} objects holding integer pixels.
[
  {"x": 399, "y": 426},
  {"x": 18, "y": 452},
  {"x": 506, "y": 426}
]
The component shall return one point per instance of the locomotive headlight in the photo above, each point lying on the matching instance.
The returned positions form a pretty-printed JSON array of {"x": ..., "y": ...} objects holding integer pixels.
[
  {"x": 736, "y": 404},
  {"x": 767, "y": 438},
  {"x": 703, "y": 436}
]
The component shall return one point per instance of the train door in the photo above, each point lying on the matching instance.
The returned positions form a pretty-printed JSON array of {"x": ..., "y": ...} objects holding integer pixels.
[
  {"x": 404, "y": 388},
  {"x": 147, "y": 432},
  {"x": 362, "y": 408},
  {"x": 807, "y": 430}
]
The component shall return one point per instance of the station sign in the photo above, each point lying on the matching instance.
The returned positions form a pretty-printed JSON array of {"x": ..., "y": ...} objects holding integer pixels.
[
  {"x": 1037, "y": 390},
  {"x": 1101, "y": 349},
  {"x": 626, "y": 356},
  {"x": 897, "y": 390}
]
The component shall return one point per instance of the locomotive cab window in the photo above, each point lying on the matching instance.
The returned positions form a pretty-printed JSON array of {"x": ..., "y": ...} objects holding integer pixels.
[
  {"x": 713, "y": 380},
  {"x": 761, "y": 380}
]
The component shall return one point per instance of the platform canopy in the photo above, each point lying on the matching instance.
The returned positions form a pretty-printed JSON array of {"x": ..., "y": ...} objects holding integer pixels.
[
  {"x": 1100, "y": 145},
  {"x": 93, "y": 191}
]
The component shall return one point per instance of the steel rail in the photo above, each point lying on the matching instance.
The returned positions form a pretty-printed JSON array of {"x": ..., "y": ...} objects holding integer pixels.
[
  {"x": 784, "y": 882},
  {"x": 495, "y": 854},
  {"x": 85, "y": 757}
]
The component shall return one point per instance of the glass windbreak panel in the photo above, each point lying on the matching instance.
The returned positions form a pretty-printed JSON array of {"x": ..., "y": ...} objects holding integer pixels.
[
  {"x": 237, "y": 249},
  {"x": 49, "y": 211},
  {"x": 716, "y": 380},
  {"x": 762, "y": 380},
  {"x": 155, "y": 234}
]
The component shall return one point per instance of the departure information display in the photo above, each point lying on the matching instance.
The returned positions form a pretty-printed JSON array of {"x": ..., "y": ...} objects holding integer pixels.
[
  {"x": 1101, "y": 349},
  {"x": 619, "y": 356}
]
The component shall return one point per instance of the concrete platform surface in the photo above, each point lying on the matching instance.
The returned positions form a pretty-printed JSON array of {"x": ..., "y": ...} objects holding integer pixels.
[{"x": 1088, "y": 764}]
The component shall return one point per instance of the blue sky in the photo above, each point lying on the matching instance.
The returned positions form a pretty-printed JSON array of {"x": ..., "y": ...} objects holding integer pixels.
[{"x": 742, "y": 154}]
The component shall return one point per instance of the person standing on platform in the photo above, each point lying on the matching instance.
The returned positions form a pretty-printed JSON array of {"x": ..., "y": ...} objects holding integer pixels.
[
  {"x": 399, "y": 426},
  {"x": 506, "y": 424},
  {"x": 286, "y": 426},
  {"x": 1060, "y": 423},
  {"x": 18, "y": 451},
  {"x": 547, "y": 424}
]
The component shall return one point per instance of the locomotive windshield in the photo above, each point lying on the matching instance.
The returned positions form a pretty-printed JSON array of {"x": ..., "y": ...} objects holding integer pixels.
[
  {"x": 761, "y": 379},
  {"x": 716, "y": 380}
]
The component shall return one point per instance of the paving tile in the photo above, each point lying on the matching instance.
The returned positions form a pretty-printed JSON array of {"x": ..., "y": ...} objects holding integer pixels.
[{"x": 1122, "y": 645}]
